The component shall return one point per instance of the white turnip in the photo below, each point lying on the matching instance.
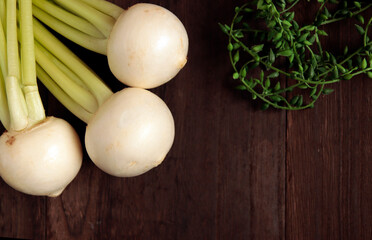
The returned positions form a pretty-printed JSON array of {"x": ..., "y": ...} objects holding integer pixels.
[
  {"x": 130, "y": 133},
  {"x": 38, "y": 155},
  {"x": 146, "y": 45},
  {"x": 42, "y": 159}
]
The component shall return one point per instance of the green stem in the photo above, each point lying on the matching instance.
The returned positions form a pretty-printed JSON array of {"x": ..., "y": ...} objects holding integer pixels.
[
  {"x": 68, "y": 18},
  {"x": 94, "y": 44},
  {"x": 4, "y": 110},
  {"x": 341, "y": 18},
  {"x": 12, "y": 39},
  {"x": 60, "y": 51},
  {"x": 3, "y": 12},
  {"x": 102, "y": 21},
  {"x": 16, "y": 102},
  {"x": 287, "y": 9},
  {"x": 366, "y": 32},
  {"x": 76, "y": 92},
  {"x": 106, "y": 7},
  {"x": 62, "y": 97},
  {"x": 35, "y": 107}
]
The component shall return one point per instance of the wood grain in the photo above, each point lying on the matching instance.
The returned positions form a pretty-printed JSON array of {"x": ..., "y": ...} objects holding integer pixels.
[{"x": 234, "y": 171}]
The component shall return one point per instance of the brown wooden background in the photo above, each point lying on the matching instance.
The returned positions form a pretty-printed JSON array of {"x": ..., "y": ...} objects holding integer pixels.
[{"x": 234, "y": 172}]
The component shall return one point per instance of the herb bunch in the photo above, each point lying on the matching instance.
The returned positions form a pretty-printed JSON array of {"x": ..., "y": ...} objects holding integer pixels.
[{"x": 308, "y": 67}]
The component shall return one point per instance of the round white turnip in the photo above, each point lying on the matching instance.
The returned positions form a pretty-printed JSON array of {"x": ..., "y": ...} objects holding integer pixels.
[
  {"x": 42, "y": 159},
  {"x": 131, "y": 133}
]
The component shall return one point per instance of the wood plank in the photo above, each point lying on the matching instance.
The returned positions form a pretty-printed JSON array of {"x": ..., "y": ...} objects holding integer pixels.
[{"x": 328, "y": 159}]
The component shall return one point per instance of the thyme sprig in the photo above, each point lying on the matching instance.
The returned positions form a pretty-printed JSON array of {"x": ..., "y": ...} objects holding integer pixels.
[{"x": 310, "y": 68}]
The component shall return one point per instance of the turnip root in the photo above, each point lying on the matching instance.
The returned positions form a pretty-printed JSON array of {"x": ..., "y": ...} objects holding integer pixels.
[
  {"x": 147, "y": 46},
  {"x": 130, "y": 133},
  {"x": 41, "y": 160}
]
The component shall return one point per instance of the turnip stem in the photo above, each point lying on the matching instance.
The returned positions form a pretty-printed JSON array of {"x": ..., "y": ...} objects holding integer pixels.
[
  {"x": 27, "y": 43},
  {"x": 68, "y": 18},
  {"x": 60, "y": 51},
  {"x": 16, "y": 101},
  {"x": 3, "y": 49},
  {"x": 61, "y": 96},
  {"x": 4, "y": 110},
  {"x": 35, "y": 108},
  {"x": 11, "y": 39},
  {"x": 102, "y": 21},
  {"x": 106, "y": 7},
  {"x": 76, "y": 92},
  {"x": 67, "y": 71},
  {"x": 94, "y": 44},
  {"x": 3, "y": 12}
]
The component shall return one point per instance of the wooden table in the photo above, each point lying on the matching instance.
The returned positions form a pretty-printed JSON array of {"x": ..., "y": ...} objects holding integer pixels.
[{"x": 234, "y": 172}]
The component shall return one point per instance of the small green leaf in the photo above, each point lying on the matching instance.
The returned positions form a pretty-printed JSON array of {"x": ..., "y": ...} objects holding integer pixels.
[
  {"x": 236, "y": 56},
  {"x": 260, "y": 4},
  {"x": 248, "y": 10},
  {"x": 295, "y": 26},
  {"x": 294, "y": 100},
  {"x": 243, "y": 72},
  {"x": 360, "y": 19},
  {"x": 271, "y": 56},
  {"x": 277, "y": 36},
  {"x": 230, "y": 47},
  {"x": 271, "y": 24},
  {"x": 254, "y": 96},
  {"x": 327, "y": 91},
  {"x": 303, "y": 86},
  {"x": 288, "y": 24},
  {"x": 235, "y": 75},
  {"x": 335, "y": 73},
  {"x": 312, "y": 38},
  {"x": 311, "y": 72},
  {"x": 300, "y": 101},
  {"x": 257, "y": 48},
  {"x": 346, "y": 50},
  {"x": 224, "y": 28},
  {"x": 303, "y": 37},
  {"x": 348, "y": 76},
  {"x": 323, "y": 33},
  {"x": 277, "y": 86},
  {"x": 313, "y": 91},
  {"x": 273, "y": 75},
  {"x": 238, "y": 19},
  {"x": 286, "y": 53},
  {"x": 341, "y": 68},
  {"x": 275, "y": 98},
  {"x": 357, "y": 4},
  {"x": 241, "y": 87},
  {"x": 369, "y": 74},
  {"x": 364, "y": 64},
  {"x": 265, "y": 106},
  {"x": 359, "y": 29},
  {"x": 262, "y": 75},
  {"x": 267, "y": 83}
]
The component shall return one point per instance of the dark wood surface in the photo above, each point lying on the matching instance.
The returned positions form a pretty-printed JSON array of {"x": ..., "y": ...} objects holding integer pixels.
[{"x": 234, "y": 172}]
